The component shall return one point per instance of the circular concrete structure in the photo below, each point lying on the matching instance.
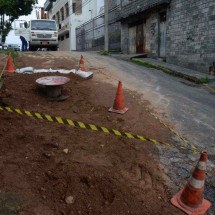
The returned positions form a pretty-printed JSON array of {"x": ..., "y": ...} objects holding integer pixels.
[{"x": 52, "y": 86}]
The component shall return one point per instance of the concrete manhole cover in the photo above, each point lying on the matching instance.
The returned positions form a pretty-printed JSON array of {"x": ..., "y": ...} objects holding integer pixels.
[{"x": 52, "y": 80}]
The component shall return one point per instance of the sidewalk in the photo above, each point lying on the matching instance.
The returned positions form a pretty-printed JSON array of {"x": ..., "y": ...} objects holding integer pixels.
[{"x": 187, "y": 74}]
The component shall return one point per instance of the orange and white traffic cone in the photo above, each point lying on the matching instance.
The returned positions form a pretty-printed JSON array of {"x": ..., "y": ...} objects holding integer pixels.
[
  {"x": 81, "y": 64},
  {"x": 190, "y": 199},
  {"x": 119, "y": 105},
  {"x": 10, "y": 66}
]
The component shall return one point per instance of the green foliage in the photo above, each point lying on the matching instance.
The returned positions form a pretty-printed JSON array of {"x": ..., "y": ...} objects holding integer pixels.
[
  {"x": 16, "y": 8},
  {"x": 171, "y": 72},
  {"x": 103, "y": 52},
  {"x": 6, "y": 30},
  {"x": 205, "y": 80},
  {"x": 13, "y": 9},
  {"x": 14, "y": 54}
]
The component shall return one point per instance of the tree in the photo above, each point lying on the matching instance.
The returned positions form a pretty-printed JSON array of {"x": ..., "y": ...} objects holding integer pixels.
[{"x": 13, "y": 9}]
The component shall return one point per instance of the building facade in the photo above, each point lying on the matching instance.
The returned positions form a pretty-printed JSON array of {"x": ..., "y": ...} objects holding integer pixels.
[
  {"x": 69, "y": 14},
  {"x": 179, "y": 31},
  {"x": 91, "y": 35}
]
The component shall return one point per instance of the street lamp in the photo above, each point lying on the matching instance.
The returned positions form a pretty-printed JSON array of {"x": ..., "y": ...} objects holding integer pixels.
[{"x": 91, "y": 13}]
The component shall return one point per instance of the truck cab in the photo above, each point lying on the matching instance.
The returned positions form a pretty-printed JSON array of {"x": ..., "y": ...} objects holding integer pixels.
[{"x": 40, "y": 33}]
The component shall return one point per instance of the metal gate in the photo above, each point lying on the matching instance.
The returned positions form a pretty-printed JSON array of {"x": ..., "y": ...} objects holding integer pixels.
[
  {"x": 90, "y": 35},
  {"x": 162, "y": 35},
  {"x": 132, "y": 40}
]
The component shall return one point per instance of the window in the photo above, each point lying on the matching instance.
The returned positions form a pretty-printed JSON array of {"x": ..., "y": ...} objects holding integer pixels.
[
  {"x": 67, "y": 9},
  {"x": 163, "y": 17},
  {"x": 62, "y": 13},
  {"x": 77, "y": 6},
  {"x": 58, "y": 17},
  {"x": 47, "y": 25},
  {"x": 73, "y": 7}
]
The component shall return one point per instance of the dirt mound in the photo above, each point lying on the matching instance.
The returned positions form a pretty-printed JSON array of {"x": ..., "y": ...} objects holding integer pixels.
[{"x": 52, "y": 169}]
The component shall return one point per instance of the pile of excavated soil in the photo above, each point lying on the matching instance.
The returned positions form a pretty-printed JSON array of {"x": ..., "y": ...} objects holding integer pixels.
[{"x": 52, "y": 169}]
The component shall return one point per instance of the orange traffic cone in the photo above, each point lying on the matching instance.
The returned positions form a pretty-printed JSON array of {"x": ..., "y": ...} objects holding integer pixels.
[
  {"x": 190, "y": 199},
  {"x": 119, "y": 106},
  {"x": 81, "y": 64},
  {"x": 10, "y": 66}
]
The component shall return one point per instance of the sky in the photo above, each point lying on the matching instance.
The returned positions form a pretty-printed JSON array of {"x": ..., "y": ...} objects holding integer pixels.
[{"x": 11, "y": 38}]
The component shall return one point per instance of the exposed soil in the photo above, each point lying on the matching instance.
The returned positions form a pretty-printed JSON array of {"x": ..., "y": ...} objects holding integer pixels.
[{"x": 101, "y": 173}]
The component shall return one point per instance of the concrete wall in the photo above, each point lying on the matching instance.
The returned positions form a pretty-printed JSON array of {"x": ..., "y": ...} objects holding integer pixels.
[
  {"x": 135, "y": 7},
  {"x": 89, "y": 10},
  {"x": 151, "y": 34},
  {"x": 191, "y": 33},
  {"x": 124, "y": 38},
  {"x": 190, "y": 37},
  {"x": 65, "y": 44}
]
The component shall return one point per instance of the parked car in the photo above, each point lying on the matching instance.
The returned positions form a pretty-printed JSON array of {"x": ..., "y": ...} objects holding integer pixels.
[
  {"x": 4, "y": 46},
  {"x": 14, "y": 47}
]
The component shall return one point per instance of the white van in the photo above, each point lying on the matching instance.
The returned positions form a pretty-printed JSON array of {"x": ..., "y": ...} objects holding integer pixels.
[{"x": 40, "y": 33}]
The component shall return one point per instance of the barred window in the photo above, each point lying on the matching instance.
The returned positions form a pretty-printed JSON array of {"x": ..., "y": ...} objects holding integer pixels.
[
  {"x": 77, "y": 6},
  {"x": 67, "y": 9},
  {"x": 62, "y": 13}
]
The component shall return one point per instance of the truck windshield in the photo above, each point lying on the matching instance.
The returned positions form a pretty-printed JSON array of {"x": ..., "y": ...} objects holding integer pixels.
[{"x": 43, "y": 25}]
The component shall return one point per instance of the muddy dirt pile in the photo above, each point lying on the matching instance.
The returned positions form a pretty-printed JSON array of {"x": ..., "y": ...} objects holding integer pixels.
[{"x": 52, "y": 169}]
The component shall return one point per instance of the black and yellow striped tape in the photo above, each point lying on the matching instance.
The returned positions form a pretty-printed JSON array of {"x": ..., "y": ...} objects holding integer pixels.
[
  {"x": 92, "y": 127},
  {"x": 184, "y": 144}
]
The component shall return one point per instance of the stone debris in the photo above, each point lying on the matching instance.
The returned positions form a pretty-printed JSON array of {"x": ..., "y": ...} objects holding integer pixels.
[
  {"x": 66, "y": 151},
  {"x": 69, "y": 199}
]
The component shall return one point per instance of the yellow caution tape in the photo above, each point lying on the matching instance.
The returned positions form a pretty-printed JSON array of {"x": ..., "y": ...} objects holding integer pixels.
[{"x": 83, "y": 125}]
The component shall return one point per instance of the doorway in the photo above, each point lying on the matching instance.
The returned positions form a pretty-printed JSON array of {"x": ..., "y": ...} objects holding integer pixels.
[
  {"x": 132, "y": 40},
  {"x": 139, "y": 39},
  {"x": 162, "y": 35}
]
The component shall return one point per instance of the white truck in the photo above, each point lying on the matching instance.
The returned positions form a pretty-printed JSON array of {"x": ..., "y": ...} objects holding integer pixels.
[{"x": 39, "y": 33}]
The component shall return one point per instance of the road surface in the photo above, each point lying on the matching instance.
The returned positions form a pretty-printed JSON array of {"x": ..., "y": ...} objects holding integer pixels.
[{"x": 188, "y": 108}]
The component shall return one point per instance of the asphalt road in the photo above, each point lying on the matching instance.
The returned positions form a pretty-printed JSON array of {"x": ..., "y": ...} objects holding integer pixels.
[{"x": 188, "y": 108}]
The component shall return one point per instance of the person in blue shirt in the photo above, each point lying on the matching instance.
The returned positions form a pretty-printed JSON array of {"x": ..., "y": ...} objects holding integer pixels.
[{"x": 24, "y": 43}]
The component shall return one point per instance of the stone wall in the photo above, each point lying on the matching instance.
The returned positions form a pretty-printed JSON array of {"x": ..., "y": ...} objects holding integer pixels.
[
  {"x": 142, "y": 11},
  {"x": 151, "y": 34},
  {"x": 124, "y": 38},
  {"x": 135, "y": 7},
  {"x": 150, "y": 29},
  {"x": 191, "y": 34}
]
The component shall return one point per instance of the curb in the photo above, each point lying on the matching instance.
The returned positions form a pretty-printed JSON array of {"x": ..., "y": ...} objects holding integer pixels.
[{"x": 171, "y": 72}]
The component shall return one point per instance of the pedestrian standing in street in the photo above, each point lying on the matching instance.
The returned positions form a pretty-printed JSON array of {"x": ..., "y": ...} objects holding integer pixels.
[{"x": 24, "y": 43}]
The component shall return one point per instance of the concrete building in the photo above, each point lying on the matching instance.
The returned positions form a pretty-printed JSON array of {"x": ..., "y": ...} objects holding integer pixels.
[
  {"x": 70, "y": 14},
  {"x": 179, "y": 31}
]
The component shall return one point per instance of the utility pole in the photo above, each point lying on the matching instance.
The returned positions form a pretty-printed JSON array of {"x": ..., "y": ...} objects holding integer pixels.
[{"x": 106, "y": 26}]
